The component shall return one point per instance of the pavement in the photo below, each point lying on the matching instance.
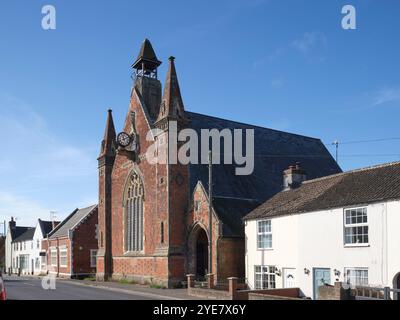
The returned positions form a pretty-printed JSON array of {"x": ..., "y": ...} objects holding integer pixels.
[{"x": 31, "y": 288}]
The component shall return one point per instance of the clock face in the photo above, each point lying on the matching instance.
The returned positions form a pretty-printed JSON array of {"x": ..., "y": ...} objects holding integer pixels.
[{"x": 123, "y": 139}]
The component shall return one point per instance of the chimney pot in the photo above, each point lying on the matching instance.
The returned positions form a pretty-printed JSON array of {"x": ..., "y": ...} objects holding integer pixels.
[{"x": 293, "y": 177}]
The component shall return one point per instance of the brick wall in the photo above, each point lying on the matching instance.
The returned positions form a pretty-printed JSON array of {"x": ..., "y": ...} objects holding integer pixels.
[
  {"x": 78, "y": 250},
  {"x": 56, "y": 243},
  {"x": 336, "y": 292},
  {"x": 275, "y": 294},
  {"x": 84, "y": 239},
  {"x": 200, "y": 219},
  {"x": 152, "y": 263},
  {"x": 169, "y": 255},
  {"x": 231, "y": 253}
]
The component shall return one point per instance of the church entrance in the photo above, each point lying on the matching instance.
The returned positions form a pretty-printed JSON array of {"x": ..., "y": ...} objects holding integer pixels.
[
  {"x": 197, "y": 259},
  {"x": 201, "y": 254}
]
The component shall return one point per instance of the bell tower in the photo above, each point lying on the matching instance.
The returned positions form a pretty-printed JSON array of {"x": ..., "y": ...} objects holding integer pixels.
[{"x": 146, "y": 78}]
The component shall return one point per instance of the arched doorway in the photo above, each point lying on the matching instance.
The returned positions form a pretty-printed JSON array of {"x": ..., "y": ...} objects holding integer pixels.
[
  {"x": 201, "y": 254},
  {"x": 396, "y": 285},
  {"x": 198, "y": 252}
]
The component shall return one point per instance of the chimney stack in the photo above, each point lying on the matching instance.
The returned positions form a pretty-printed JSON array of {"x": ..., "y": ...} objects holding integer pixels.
[
  {"x": 293, "y": 177},
  {"x": 12, "y": 223}
]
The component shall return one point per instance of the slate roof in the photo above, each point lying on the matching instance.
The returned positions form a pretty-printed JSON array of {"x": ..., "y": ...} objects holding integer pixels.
[
  {"x": 17, "y": 231},
  {"x": 62, "y": 230},
  {"x": 231, "y": 211},
  {"x": 26, "y": 235},
  {"x": 146, "y": 55},
  {"x": 275, "y": 151},
  {"x": 353, "y": 188},
  {"x": 46, "y": 226}
]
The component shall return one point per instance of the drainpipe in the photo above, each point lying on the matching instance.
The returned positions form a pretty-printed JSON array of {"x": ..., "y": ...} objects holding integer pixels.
[
  {"x": 58, "y": 258},
  {"x": 71, "y": 244},
  {"x": 210, "y": 210},
  {"x": 47, "y": 255}
]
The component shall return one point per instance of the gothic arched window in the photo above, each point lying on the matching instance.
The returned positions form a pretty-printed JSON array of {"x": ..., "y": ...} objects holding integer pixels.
[{"x": 134, "y": 214}]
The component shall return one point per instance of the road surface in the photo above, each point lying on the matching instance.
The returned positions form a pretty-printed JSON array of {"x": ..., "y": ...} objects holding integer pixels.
[{"x": 27, "y": 288}]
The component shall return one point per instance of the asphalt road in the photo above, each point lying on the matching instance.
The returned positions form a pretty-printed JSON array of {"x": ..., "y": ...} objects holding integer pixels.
[{"x": 31, "y": 289}]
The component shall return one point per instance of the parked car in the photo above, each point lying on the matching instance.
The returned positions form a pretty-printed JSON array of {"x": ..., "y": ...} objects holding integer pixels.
[{"x": 3, "y": 295}]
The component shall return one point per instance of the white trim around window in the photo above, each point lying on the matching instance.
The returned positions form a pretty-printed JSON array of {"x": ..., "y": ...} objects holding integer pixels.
[
  {"x": 63, "y": 257},
  {"x": 355, "y": 227},
  {"x": 356, "y": 276},
  {"x": 53, "y": 257},
  {"x": 93, "y": 258},
  {"x": 264, "y": 235},
  {"x": 264, "y": 277}
]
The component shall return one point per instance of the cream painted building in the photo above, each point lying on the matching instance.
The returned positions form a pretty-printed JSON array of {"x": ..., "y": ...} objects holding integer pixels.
[{"x": 343, "y": 227}]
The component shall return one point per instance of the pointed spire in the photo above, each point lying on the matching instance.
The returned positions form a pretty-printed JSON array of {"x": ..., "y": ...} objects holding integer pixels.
[
  {"x": 172, "y": 103},
  {"x": 108, "y": 143},
  {"x": 147, "y": 59}
]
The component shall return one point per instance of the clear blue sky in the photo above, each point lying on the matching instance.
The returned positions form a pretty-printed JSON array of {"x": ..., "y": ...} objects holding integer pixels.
[{"x": 283, "y": 64}]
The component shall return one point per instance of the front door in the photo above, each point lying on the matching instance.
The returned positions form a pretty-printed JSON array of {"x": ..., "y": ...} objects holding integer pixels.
[
  {"x": 289, "y": 278},
  {"x": 201, "y": 254},
  {"x": 321, "y": 277}
]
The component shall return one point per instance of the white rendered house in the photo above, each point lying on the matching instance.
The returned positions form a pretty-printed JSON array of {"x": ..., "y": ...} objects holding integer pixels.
[
  {"x": 343, "y": 227},
  {"x": 24, "y": 247},
  {"x": 13, "y": 233}
]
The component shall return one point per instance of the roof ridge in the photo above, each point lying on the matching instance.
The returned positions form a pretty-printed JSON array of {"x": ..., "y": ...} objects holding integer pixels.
[
  {"x": 92, "y": 208},
  {"x": 63, "y": 222},
  {"x": 93, "y": 205},
  {"x": 378, "y": 166},
  {"x": 252, "y": 125},
  {"x": 23, "y": 227},
  {"x": 235, "y": 198}
]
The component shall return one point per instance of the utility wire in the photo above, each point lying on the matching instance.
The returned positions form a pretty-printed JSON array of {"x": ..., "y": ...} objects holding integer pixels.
[{"x": 367, "y": 141}]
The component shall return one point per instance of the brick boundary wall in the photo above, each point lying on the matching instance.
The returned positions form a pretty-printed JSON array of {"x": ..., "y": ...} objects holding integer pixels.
[{"x": 234, "y": 293}]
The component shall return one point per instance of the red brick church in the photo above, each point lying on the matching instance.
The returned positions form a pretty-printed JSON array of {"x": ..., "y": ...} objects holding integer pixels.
[{"x": 154, "y": 218}]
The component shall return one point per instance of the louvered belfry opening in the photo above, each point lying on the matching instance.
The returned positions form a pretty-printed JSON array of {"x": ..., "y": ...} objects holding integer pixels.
[{"x": 134, "y": 214}]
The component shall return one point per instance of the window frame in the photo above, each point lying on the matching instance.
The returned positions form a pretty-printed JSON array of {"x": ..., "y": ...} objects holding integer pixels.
[
  {"x": 51, "y": 257},
  {"x": 63, "y": 250},
  {"x": 134, "y": 216},
  {"x": 355, "y": 225},
  {"x": 258, "y": 233},
  {"x": 346, "y": 278},
  {"x": 92, "y": 255},
  {"x": 43, "y": 261},
  {"x": 265, "y": 277}
]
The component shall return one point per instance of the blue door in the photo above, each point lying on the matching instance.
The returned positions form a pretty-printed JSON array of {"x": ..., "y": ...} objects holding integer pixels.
[{"x": 321, "y": 276}]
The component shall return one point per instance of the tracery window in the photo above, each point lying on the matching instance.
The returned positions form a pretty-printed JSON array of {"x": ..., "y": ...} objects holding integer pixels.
[{"x": 134, "y": 214}]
